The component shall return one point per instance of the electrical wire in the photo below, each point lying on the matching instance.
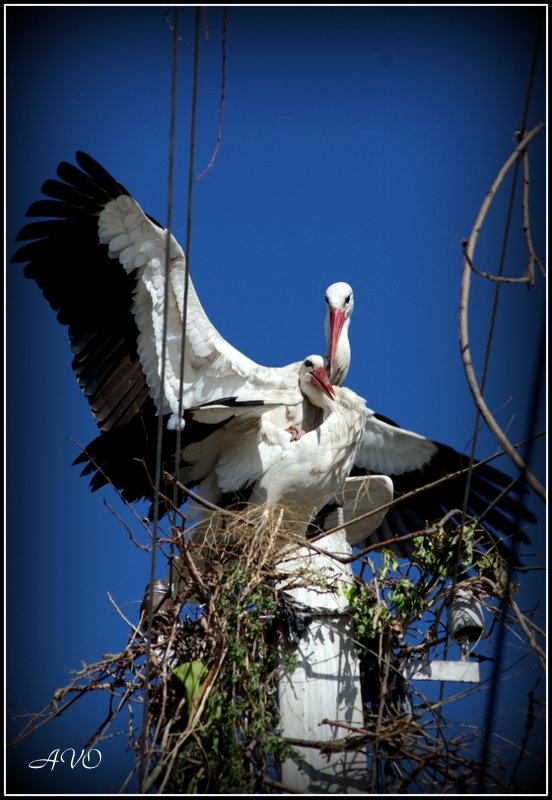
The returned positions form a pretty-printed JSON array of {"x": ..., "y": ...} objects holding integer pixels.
[
  {"x": 142, "y": 766},
  {"x": 532, "y": 423}
]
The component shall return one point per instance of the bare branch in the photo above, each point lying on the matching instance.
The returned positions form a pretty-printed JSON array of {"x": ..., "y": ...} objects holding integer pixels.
[
  {"x": 465, "y": 350},
  {"x": 526, "y": 223},
  {"x": 527, "y": 278}
]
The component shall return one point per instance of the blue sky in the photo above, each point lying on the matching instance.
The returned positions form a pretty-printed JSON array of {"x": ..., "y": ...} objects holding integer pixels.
[{"x": 358, "y": 144}]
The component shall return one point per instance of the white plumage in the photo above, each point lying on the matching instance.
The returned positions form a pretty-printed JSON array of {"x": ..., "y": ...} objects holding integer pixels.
[
  {"x": 390, "y": 450},
  {"x": 277, "y": 467}
]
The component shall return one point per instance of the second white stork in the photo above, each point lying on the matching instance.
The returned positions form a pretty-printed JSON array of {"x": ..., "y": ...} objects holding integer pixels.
[{"x": 274, "y": 465}]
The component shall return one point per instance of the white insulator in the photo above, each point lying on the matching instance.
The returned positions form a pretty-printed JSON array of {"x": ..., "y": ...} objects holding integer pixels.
[{"x": 465, "y": 617}]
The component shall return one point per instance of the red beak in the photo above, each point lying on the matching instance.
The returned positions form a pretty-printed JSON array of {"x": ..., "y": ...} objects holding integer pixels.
[
  {"x": 319, "y": 377},
  {"x": 337, "y": 318}
]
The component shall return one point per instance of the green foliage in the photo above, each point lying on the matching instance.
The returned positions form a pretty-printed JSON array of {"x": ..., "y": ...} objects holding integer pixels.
[
  {"x": 368, "y": 616},
  {"x": 191, "y": 675},
  {"x": 441, "y": 553},
  {"x": 397, "y": 602},
  {"x": 406, "y": 599},
  {"x": 390, "y": 564},
  {"x": 234, "y": 739}
]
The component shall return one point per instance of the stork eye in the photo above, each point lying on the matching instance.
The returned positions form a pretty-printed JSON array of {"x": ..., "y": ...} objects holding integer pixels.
[
  {"x": 347, "y": 299},
  {"x": 308, "y": 363}
]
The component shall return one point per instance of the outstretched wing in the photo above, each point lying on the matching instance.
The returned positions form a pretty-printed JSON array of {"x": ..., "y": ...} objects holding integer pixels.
[
  {"x": 100, "y": 262},
  {"x": 414, "y": 462}
]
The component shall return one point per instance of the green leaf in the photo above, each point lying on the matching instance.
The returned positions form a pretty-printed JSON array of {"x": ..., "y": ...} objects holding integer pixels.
[{"x": 191, "y": 675}]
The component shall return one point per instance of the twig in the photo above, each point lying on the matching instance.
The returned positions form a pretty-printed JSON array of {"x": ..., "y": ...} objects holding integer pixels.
[
  {"x": 527, "y": 278},
  {"x": 525, "y": 628},
  {"x": 529, "y": 722},
  {"x": 134, "y": 629},
  {"x": 495, "y": 591},
  {"x": 196, "y": 497},
  {"x": 119, "y": 519},
  {"x": 222, "y": 97},
  {"x": 282, "y": 787}
]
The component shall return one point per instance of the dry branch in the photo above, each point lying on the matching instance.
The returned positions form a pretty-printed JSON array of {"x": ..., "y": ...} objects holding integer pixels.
[{"x": 469, "y": 250}]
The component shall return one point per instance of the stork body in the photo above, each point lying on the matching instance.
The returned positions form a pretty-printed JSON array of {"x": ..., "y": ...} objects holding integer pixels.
[{"x": 279, "y": 467}]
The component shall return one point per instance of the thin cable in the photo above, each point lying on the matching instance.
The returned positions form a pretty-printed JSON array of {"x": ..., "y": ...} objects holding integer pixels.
[
  {"x": 514, "y": 545},
  {"x": 532, "y": 422},
  {"x": 502, "y": 260},
  {"x": 486, "y": 359},
  {"x": 492, "y": 323},
  {"x": 187, "y": 248},
  {"x": 158, "y": 456},
  {"x": 190, "y": 206}
]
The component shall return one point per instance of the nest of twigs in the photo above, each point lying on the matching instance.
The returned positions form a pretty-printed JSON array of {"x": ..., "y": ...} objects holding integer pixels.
[{"x": 199, "y": 674}]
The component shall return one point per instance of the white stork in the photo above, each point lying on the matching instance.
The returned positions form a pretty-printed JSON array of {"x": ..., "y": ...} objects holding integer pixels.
[{"x": 114, "y": 318}]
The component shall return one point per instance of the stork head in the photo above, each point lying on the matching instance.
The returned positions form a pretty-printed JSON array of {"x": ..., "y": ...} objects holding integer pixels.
[
  {"x": 313, "y": 379},
  {"x": 340, "y": 300}
]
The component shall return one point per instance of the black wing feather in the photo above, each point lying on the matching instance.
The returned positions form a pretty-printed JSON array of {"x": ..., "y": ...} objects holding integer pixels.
[{"x": 91, "y": 293}]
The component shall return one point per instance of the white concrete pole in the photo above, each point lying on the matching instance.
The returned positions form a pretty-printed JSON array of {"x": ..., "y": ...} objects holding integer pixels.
[{"x": 325, "y": 684}]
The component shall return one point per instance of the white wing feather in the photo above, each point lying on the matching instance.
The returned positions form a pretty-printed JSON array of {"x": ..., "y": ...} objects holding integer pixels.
[
  {"x": 390, "y": 450},
  {"x": 212, "y": 367}
]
